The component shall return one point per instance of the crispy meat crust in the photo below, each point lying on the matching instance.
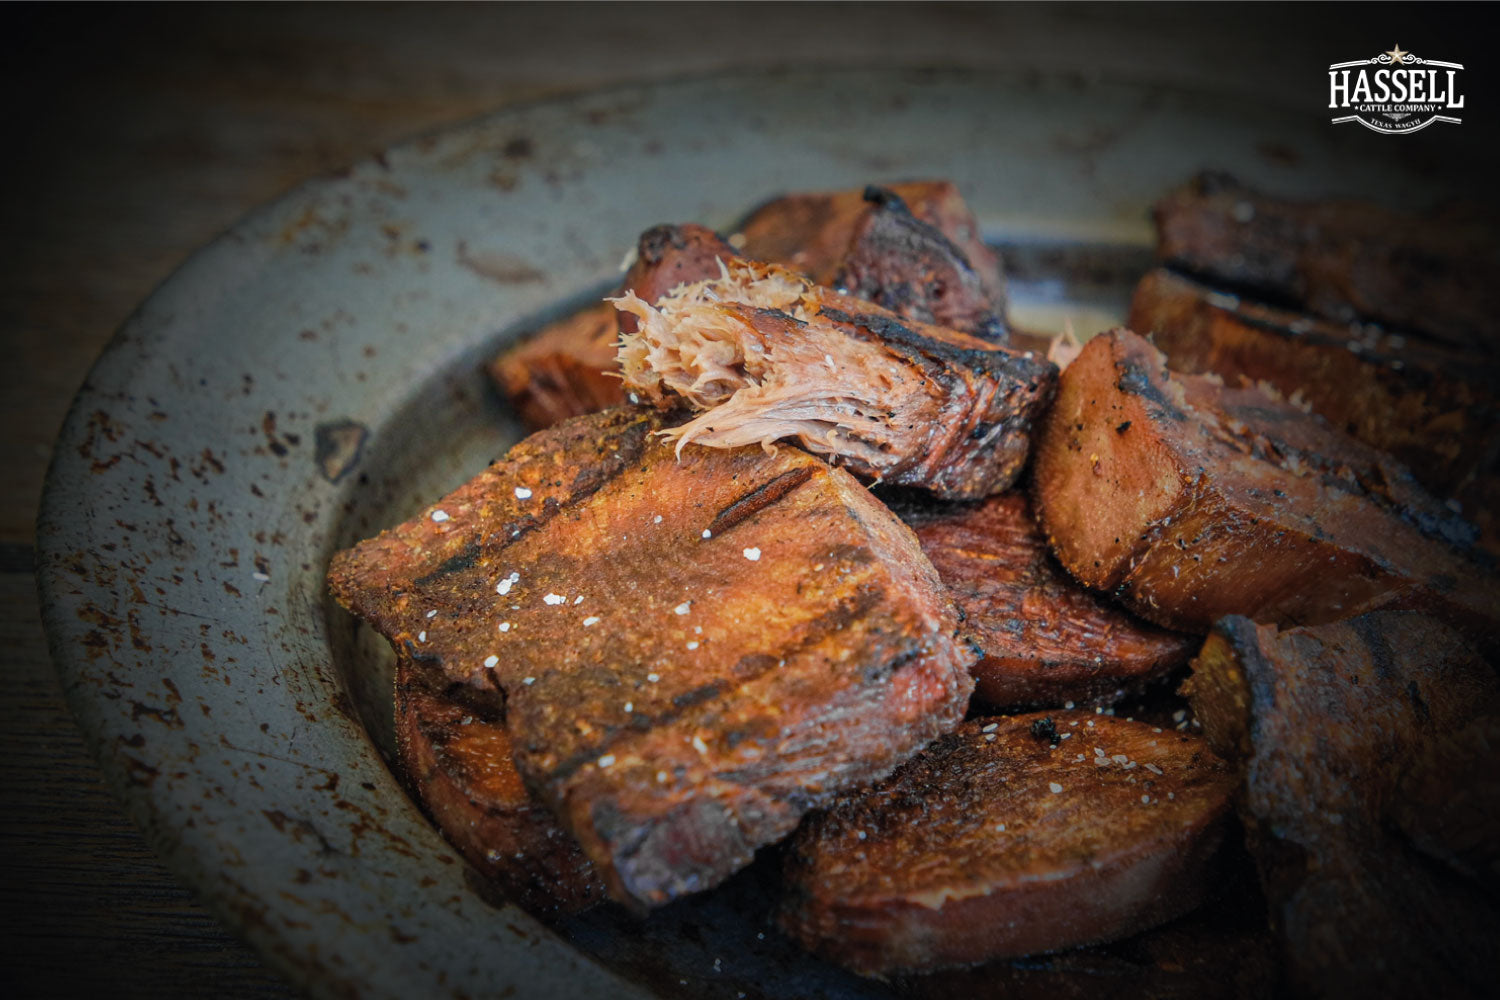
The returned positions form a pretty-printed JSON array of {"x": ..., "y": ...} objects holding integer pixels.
[
  {"x": 1431, "y": 407},
  {"x": 985, "y": 848},
  {"x": 456, "y": 754},
  {"x": 906, "y": 265},
  {"x": 766, "y": 355},
  {"x": 1046, "y": 639},
  {"x": 568, "y": 368},
  {"x": 1370, "y": 801},
  {"x": 814, "y": 232},
  {"x": 561, "y": 371},
  {"x": 1192, "y": 501},
  {"x": 1437, "y": 274},
  {"x": 693, "y": 652}
]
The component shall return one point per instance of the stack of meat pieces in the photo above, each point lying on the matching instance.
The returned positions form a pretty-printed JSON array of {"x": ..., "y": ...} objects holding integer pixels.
[{"x": 677, "y": 625}]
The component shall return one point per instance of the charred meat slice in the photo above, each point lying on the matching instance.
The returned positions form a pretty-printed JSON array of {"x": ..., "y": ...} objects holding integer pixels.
[
  {"x": 999, "y": 841},
  {"x": 1045, "y": 638},
  {"x": 1437, "y": 274},
  {"x": 1432, "y": 407},
  {"x": 763, "y": 354},
  {"x": 456, "y": 754},
  {"x": 1330, "y": 726},
  {"x": 908, "y": 266},
  {"x": 568, "y": 368},
  {"x": 1192, "y": 501},
  {"x": 668, "y": 256},
  {"x": 693, "y": 651},
  {"x": 561, "y": 371},
  {"x": 814, "y": 232}
]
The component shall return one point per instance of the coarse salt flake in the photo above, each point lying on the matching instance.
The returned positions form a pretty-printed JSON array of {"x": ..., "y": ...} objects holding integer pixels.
[
  {"x": 753, "y": 554},
  {"x": 554, "y": 599},
  {"x": 505, "y": 626},
  {"x": 707, "y": 533},
  {"x": 491, "y": 660},
  {"x": 522, "y": 493},
  {"x": 693, "y": 644},
  {"x": 683, "y": 608},
  {"x": 422, "y": 636},
  {"x": 591, "y": 620},
  {"x": 606, "y": 760},
  {"x": 439, "y": 516},
  {"x": 1056, "y": 788},
  {"x": 528, "y": 681},
  {"x": 432, "y": 613}
]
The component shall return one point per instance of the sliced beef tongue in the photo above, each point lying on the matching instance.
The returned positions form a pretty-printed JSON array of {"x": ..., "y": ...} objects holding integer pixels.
[
  {"x": 762, "y": 354},
  {"x": 1436, "y": 274},
  {"x": 1431, "y": 406},
  {"x": 1046, "y": 640},
  {"x": 1190, "y": 501},
  {"x": 564, "y": 369},
  {"x": 816, "y": 232},
  {"x": 1369, "y": 799},
  {"x": 693, "y": 650},
  {"x": 456, "y": 754},
  {"x": 906, "y": 265},
  {"x": 1011, "y": 836}
]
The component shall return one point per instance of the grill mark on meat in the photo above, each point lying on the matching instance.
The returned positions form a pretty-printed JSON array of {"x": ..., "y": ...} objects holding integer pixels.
[
  {"x": 1369, "y": 632},
  {"x": 746, "y": 669},
  {"x": 633, "y": 652},
  {"x": 1135, "y": 381},
  {"x": 456, "y": 564}
]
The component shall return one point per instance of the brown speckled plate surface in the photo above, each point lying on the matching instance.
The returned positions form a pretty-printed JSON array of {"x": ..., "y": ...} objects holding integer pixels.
[{"x": 313, "y": 376}]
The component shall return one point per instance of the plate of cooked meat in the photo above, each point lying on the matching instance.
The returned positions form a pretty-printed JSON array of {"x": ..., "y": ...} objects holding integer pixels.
[{"x": 847, "y": 534}]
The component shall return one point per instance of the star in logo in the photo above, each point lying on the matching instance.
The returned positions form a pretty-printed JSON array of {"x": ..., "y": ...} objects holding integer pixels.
[{"x": 1397, "y": 55}]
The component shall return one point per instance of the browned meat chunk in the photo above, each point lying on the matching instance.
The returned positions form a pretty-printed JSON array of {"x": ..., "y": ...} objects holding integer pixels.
[
  {"x": 762, "y": 355},
  {"x": 1011, "y": 836},
  {"x": 561, "y": 371},
  {"x": 1432, "y": 407},
  {"x": 1437, "y": 274},
  {"x": 693, "y": 651},
  {"x": 908, "y": 266},
  {"x": 568, "y": 368},
  {"x": 457, "y": 757},
  {"x": 1045, "y": 638},
  {"x": 1192, "y": 501},
  {"x": 814, "y": 232},
  {"x": 1336, "y": 729},
  {"x": 668, "y": 256}
]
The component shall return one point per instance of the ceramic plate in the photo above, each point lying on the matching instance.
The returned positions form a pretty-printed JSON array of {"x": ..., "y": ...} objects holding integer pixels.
[{"x": 313, "y": 376}]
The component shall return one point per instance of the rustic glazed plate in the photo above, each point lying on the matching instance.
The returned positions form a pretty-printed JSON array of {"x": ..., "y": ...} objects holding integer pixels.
[{"x": 313, "y": 376}]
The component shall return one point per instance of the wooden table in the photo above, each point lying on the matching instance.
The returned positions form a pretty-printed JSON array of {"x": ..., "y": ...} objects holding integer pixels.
[{"x": 136, "y": 135}]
